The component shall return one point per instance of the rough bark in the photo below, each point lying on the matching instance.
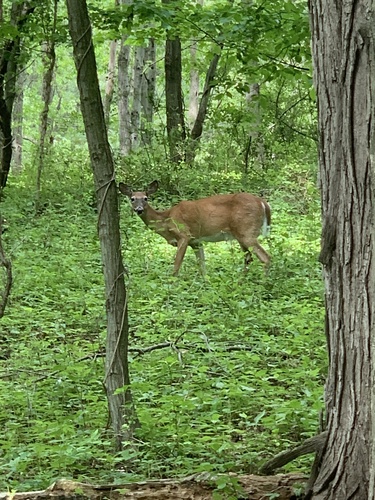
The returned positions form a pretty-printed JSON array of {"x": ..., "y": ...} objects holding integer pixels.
[
  {"x": 116, "y": 365},
  {"x": 196, "y": 487},
  {"x": 343, "y": 54}
]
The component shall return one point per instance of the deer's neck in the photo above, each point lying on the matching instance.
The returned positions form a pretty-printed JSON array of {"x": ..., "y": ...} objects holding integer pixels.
[{"x": 150, "y": 216}]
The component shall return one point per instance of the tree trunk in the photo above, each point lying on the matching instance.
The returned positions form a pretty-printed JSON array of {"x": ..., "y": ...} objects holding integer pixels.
[
  {"x": 8, "y": 71},
  {"x": 255, "y": 146},
  {"x": 173, "y": 97},
  {"x": 116, "y": 365},
  {"x": 124, "y": 86},
  {"x": 17, "y": 120},
  {"x": 343, "y": 53},
  {"x": 148, "y": 91},
  {"x": 123, "y": 98},
  {"x": 49, "y": 59},
  {"x": 197, "y": 129},
  {"x": 110, "y": 83},
  {"x": 194, "y": 85},
  {"x": 139, "y": 55}
]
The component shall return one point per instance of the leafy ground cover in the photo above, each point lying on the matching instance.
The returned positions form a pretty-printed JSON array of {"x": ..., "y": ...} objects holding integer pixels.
[{"x": 241, "y": 380}]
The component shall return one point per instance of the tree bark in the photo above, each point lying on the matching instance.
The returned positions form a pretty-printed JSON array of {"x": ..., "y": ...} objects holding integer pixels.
[
  {"x": 8, "y": 71},
  {"x": 49, "y": 59},
  {"x": 139, "y": 55},
  {"x": 194, "y": 84},
  {"x": 174, "y": 102},
  {"x": 124, "y": 87},
  {"x": 197, "y": 129},
  {"x": 343, "y": 54},
  {"x": 110, "y": 83},
  {"x": 17, "y": 120},
  {"x": 116, "y": 365},
  {"x": 148, "y": 91}
]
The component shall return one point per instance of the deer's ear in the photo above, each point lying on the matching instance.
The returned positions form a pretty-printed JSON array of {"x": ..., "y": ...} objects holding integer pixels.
[
  {"x": 152, "y": 188},
  {"x": 125, "y": 189}
]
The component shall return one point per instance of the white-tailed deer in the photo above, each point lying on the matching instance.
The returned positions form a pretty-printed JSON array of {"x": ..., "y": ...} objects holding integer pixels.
[{"x": 223, "y": 217}]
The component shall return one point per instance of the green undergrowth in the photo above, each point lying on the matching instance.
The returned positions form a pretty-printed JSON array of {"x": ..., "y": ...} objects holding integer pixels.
[{"x": 237, "y": 365}]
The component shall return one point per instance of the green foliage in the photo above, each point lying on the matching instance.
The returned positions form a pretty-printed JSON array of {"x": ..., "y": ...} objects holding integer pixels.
[
  {"x": 241, "y": 380},
  {"x": 237, "y": 363}
]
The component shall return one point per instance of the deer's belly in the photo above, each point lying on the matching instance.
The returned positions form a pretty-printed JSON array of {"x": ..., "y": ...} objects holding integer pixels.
[{"x": 214, "y": 238}]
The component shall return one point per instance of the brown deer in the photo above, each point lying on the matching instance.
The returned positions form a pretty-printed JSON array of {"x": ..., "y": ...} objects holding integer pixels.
[{"x": 223, "y": 217}]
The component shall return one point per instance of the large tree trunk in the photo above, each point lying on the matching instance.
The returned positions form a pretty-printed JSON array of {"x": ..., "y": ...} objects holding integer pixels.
[
  {"x": 117, "y": 373},
  {"x": 343, "y": 52}
]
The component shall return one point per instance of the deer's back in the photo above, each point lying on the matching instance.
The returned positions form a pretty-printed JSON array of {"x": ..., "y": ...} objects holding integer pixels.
[{"x": 228, "y": 214}]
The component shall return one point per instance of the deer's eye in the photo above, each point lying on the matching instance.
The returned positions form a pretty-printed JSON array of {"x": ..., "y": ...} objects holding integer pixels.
[
  {"x": 145, "y": 198},
  {"x": 132, "y": 199}
]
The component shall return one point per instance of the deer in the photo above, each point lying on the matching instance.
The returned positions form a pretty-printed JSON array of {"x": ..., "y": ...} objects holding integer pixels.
[{"x": 222, "y": 217}]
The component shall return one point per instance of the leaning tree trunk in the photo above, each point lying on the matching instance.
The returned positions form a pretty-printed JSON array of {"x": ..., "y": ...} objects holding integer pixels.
[
  {"x": 343, "y": 52},
  {"x": 117, "y": 373},
  {"x": 196, "y": 131}
]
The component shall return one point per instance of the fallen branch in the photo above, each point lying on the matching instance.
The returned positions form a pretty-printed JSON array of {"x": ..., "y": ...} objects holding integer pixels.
[
  {"x": 197, "y": 487},
  {"x": 311, "y": 445}
]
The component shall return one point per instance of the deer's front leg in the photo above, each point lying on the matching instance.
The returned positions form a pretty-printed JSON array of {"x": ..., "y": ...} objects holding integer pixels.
[{"x": 182, "y": 245}]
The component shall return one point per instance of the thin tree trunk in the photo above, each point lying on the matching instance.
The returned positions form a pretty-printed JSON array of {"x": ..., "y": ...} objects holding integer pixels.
[
  {"x": 148, "y": 91},
  {"x": 124, "y": 87},
  {"x": 17, "y": 120},
  {"x": 194, "y": 82},
  {"x": 343, "y": 53},
  {"x": 49, "y": 56},
  {"x": 194, "y": 85},
  {"x": 116, "y": 364},
  {"x": 197, "y": 129},
  {"x": 110, "y": 83},
  {"x": 139, "y": 55},
  {"x": 255, "y": 146}
]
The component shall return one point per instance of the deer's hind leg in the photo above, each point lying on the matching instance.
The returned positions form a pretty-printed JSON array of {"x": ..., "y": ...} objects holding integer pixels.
[
  {"x": 199, "y": 253},
  {"x": 259, "y": 251}
]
